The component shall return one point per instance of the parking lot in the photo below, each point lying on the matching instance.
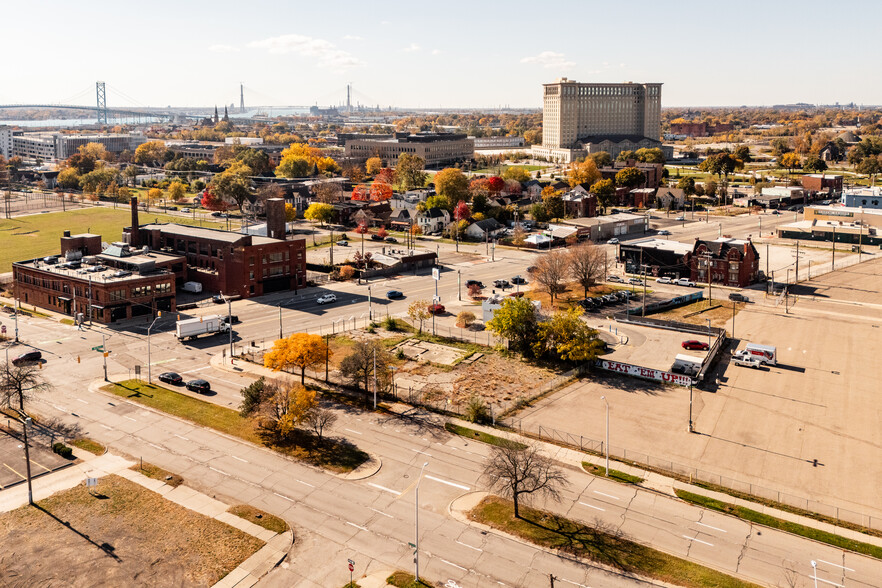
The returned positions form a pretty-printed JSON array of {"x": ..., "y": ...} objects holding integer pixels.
[
  {"x": 808, "y": 426},
  {"x": 646, "y": 346},
  {"x": 13, "y": 469}
]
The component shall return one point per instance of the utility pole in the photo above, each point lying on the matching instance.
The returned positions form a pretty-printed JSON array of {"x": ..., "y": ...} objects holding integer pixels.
[
  {"x": 104, "y": 353},
  {"x": 832, "y": 249},
  {"x": 375, "y": 379},
  {"x": 280, "y": 320},
  {"x": 796, "y": 281}
]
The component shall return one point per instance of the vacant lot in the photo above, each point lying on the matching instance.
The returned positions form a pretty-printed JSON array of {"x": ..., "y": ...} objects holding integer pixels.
[
  {"x": 126, "y": 535},
  {"x": 37, "y": 235}
]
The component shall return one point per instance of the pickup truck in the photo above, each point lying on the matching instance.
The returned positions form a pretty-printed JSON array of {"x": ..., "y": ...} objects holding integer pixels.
[{"x": 747, "y": 362}]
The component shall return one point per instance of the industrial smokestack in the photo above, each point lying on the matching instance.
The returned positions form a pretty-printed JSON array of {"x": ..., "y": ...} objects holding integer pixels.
[
  {"x": 134, "y": 232},
  {"x": 275, "y": 218}
]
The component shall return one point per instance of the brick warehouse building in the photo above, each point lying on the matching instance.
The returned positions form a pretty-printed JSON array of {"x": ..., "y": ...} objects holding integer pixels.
[
  {"x": 733, "y": 262},
  {"x": 232, "y": 263}
]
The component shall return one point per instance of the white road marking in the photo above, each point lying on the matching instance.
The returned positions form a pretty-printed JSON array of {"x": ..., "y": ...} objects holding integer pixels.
[
  {"x": 239, "y": 458},
  {"x": 218, "y": 471},
  {"x": 106, "y": 427},
  {"x": 305, "y": 483},
  {"x": 573, "y": 583},
  {"x": 61, "y": 408},
  {"x": 382, "y": 513},
  {"x": 455, "y": 485},
  {"x": 592, "y": 506},
  {"x": 196, "y": 370},
  {"x": 826, "y": 581},
  {"x": 181, "y": 437},
  {"x": 384, "y": 489},
  {"x": 469, "y": 546},
  {"x": 283, "y": 496},
  {"x": 699, "y": 540},
  {"x": 81, "y": 400},
  {"x": 830, "y": 563},
  {"x": 450, "y": 563},
  {"x": 130, "y": 418},
  {"x": 423, "y": 452},
  {"x": 155, "y": 445},
  {"x": 714, "y": 528},
  {"x": 607, "y": 495},
  {"x": 351, "y": 431},
  {"x": 358, "y": 526}
]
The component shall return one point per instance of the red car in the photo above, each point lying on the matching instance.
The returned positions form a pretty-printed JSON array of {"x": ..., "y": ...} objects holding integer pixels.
[
  {"x": 436, "y": 308},
  {"x": 695, "y": 345}
]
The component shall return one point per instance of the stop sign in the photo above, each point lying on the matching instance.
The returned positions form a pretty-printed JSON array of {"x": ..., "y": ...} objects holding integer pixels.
[{"x": 351, "y": 568}]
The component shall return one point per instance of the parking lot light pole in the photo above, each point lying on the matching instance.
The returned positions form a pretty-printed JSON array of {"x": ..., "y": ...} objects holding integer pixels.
[
  {"x": 607, "y": 434},
  {"x": 25, "y": 421},
  {"x": 370, "y": 305},
  {"x": 416, "y": 525},
  {"x": 280, "y": 320},
  {"x": 709, "y": 332}
]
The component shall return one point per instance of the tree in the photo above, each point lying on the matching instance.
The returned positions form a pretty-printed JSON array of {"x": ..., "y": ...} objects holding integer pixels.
[
  {"x": 742, "y": 153},
  {"x": 300, "y": 350},
  {"x": 381, "y": 232},
  {"x": 551, "y": 270},
  {"x": 268, "y": 191},
  {"x": 650, "y": 155},
  {"x": 96, "y": 151},
  {"x": 630, "y": 177},
  {"x": 418, "y": 311},
  {"x": 285, "y": 407},
  {"x": 583, "y": 172},
  {"x": 19, "y": 383},
  {"x": 151, "y": 153},
  {"x": 319, "y": 419},
  {"x": 568, "y": 337},
  {"x": 605, "y": 191},
  {"x": 539, "y": 213},
  {"x": 359, "y": 364},
  {"x": 687, "y": 184},
  {"x": 517, "y": 173},
  {"x": 380, "y": 191},
  {"x": 495, "y": 184},
  {"x": 710, "y": 188},
  {"x": 626, "y": 155},
  {"x": 516, "y": 321},
  {"x": 293, "y": 167},
  {"x": 780, "y": 146},
  {"x": 409, "y": 172},
  {"x": 319, "y": 212},
  {"x": 465, "y": 319},
  {"x": 790, "y": 161},
  {"x": 290, "y": 212},
  {"x": 385, "y": 175},
  {"x": 176, "y": 191},
  {"x": 328, "y": 192},
  {"x": 474, "y": 291},
  {"x": 587, "y": 265},
  {"x": 517, "y": 471},
  {"x": 814, "y": 165},
  {"x": 373, "y": 166},
  {"x": 211, "y": 201},
  {"x": 256, "y": 159},
  {"x": 233, "y": 184},
  {"x": 721, "y": 164},
  {"x": 452, "y": 184},
  {"x": 870, "y": 166},
  {"x": 462, "y": 212},
  {"x": 519, "y": 235},
  {"x": 253, "y": 396},
  {"x": 80, "y": 162},
  {"x": 601, "y": 159},
  {"x": 153, "y": 195},
  {"x": 68, "y": 178}
]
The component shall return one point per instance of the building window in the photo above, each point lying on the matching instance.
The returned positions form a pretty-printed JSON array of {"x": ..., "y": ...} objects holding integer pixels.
[{"x": 251, "y": 260}]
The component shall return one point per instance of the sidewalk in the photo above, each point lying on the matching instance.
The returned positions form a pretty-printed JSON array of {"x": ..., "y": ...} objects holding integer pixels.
[{"x": 247, "y": 574}]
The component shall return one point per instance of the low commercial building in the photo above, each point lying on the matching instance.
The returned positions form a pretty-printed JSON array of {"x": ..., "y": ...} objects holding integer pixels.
[
  {"x": 498, "y": 142},
  {"x": 863, "y": 197},
  {"x": 725, "y": 261},
  {"x": 844, "y": 214},
  {"x": 853, "y": 232},
  {"x": 660, "y": 257},
  {"x": 435, "y": 149},
  {"x": 601, "y": 228}
]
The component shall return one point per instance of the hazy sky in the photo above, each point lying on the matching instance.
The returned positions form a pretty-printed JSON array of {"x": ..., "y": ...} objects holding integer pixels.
[{"x": 444, "y": 53}]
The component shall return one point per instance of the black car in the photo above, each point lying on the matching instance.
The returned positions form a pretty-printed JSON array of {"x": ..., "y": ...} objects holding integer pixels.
[
  {"x": 29, "y": 357},
  {"x": 503, "y": 284},
  {"x": 232, "y": 319},
  {"x": 376, "y": 238},
  {"x": 470, "y": 283},
  {"x": 200, "y": 386},
  {"x": 218, "y": 299},
  {"x": 518, "y": 280},
  {"x": 735, "y": 296},
  {"x": 171, "y": 378},
  {"x": 391, "y": 240},
  {"x": 394, "y": 294}
]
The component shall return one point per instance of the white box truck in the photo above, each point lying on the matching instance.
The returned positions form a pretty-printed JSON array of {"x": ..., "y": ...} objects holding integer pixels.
[
  {"x": 206, "y": 325},
  {"x": 194, "y": 287},
  {"x": 687, "y": 364},
  {"x": 765, "y": 353}
]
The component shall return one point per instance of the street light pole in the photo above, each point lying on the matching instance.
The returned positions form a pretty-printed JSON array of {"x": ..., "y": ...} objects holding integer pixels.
[
  {"x": 230, "y": 323},
  {"x": 709, "y": 328},
  {"x": 416, "y": 525},
  {"x": 370, "y": 305},
  {"x": 280, "y": 320},
  {"x": 149, "y": 363},
  {"x": 607, "y": 433}
]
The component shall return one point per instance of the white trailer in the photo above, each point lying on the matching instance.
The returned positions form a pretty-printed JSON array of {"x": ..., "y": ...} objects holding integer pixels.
[
  {"x": 205, "y": 325},
  {"x": 687, "y": 364},
  {"x": 194, "y": 287}
]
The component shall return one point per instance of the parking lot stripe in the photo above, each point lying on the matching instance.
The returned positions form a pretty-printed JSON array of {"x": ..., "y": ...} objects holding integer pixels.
[{"x": 13, "y": 471}]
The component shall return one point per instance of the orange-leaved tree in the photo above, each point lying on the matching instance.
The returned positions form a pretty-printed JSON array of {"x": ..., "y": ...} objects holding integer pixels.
[{"x": 297, "y": 350}]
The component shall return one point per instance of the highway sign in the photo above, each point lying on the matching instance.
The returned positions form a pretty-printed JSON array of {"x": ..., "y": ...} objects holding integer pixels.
[{"x": 99, "y": 348}]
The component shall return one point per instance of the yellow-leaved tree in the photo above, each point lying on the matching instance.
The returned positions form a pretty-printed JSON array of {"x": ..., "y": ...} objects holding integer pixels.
[{"x": 300, "y": 350}]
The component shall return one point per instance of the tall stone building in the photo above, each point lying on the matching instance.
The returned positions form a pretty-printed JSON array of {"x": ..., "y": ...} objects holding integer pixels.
[{"x": 578, "y": 119}]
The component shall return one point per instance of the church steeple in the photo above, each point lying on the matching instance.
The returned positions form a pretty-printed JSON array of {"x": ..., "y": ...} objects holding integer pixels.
[
  {"x": 215, "y": 114},
  {"x": 226, "y": 114}
]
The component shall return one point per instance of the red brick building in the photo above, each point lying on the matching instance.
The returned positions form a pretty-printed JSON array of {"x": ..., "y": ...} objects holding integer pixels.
[
  {"x": 724, "y": 261},
  {"x": 822, "y": 183}
]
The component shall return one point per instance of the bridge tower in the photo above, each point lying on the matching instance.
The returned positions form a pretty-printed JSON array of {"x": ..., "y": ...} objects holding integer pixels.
[
  {"x": 102, "y": 103},
  {"x": 241, "y": 97}
]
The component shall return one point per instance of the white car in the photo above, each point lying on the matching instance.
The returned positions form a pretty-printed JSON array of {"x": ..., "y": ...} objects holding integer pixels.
[
  {"x": 326, "y": 298},
  {"x": 663, "y": 232},
  {"x": 685, "y": 282},
  {"x": 613, "y": 241},
  {"x": 665, "y": 280},
  {"x": 636, "y": 281},
  {"x": 615, "y": 279},
  {"x": 680, "y": 218}
]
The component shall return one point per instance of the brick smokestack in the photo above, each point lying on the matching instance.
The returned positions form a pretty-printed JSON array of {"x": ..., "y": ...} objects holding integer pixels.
[
  {"x": 275, "y": 218},
  {"x": 134, "y": 232}
]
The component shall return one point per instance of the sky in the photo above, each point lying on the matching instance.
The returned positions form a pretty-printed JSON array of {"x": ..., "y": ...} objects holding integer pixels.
[{"x": 450, "y": 54}]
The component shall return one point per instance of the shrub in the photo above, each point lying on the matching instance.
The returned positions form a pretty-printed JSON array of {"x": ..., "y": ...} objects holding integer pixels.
[
  {"x": 476, "y": 411},
  {"x": 347, "y": 272},
  {"x": 465, "y": 319},
  {"x": 62, "y": 450},
  {"x": 390, "y": 324},
  {"x": 400, "y": 354}
]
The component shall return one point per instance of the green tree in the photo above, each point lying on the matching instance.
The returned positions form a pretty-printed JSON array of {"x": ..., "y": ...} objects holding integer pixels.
[
  {"x": 438, "y": 201},
  {"x": 814, "y": 164},
  {"x": 68, "y": 178},
  {"x": 451, "y": 184},
  {"x": 517, "y": 173},
  {"x": 253, "y": 396},
  {"x": 409, "y": 172},
  {"x": 539, "y": 213},
  {"x": 650, "y": 155},
  {"x": 516, "y": 321},
  {"x": 601, "y": 159},
  {"x": 319, "y": 212},
  {"x": 742, "y": 153},
  {"x": 710, "y": 188},
  {"x": 233, "y": 184},
  {"x": 626, "y": 155},
  {"x": 605, "y": 190},
  {"x": 567, "y": 337},
  {"x": 256, "y": 159},
  {"x": 687, "y": 184},
  {"x": 869, "y": 166},
  {"x": 721, "y": 164},
  {"x": 630, "y": 177},
  {"x": 293, "y": 167}
]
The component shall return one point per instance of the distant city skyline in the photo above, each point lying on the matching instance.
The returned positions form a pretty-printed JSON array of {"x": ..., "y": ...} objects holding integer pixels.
[{"x": 459, "y": 55}]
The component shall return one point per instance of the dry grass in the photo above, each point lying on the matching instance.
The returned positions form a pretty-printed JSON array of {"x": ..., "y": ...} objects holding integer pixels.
[
  {"x": 124, "y": 535},
  {"x": 720, "y": 313},
  {"x": 88, "y": 445},
  {"x": 259, "y": 517},
  {"x": 157, "y": 473}
]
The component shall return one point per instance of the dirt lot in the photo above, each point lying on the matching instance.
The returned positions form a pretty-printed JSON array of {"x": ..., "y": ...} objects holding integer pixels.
[{"x": 127, "y": 536}]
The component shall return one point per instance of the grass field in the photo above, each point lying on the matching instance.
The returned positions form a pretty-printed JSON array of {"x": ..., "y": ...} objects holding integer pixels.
[{"x": 37, "y": 235}]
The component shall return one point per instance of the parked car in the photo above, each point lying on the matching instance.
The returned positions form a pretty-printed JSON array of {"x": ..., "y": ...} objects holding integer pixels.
[
  {"x": 343, "y": 243},
  {"x": 623, "y": 295},
  {"x": 436, "y": 308},
  {"x": 776, "y": 212},
  {"x": 745, "y": 361},
  {"x": 635, "y": 281},
  {"x": 664, "y": 280},
  {"x": 218, "y": 299},
  {"x": 613, "y": 241},
  {"x": 171, "y": 378},
  {"x": 121, "y": 273},
  {"x": 518, "y": 280},
  {"x": 327, "y": 298},
  {"x": 531, "y": 269},
  {"x": 29, "y": 357},
  {"x": 663, "y": 232},
  {"x": 394, "y": 294},
  {"x": 503, "y": 284},
  {"x": 680, "y": 218},
  {"x": 186, "y": 210},
  {"x": 614, "y": 278},
  {"x": 376, "y": 238},
  {"x": 610, "y": 298},
  {"x": 391, "y": 240},
  {"x": 478, "y": 283},
  {"x": 200, "y": 386},
  {"x": 695, "y": 345},
  {"x": 684, "y": 282},
  {"x": 738, "y": 297}
]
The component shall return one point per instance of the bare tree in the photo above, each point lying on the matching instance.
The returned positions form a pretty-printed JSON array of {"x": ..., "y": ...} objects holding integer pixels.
[
  {"x": 517, "y": 471},
  {"x": 359, "y": 365},
  {"x": 20, "y": 382},
  {"x": 328, "y": 192},
  {"x": 267, "y": 191},
  {"x": 551, "y": 270},
  {"x": 587, "y": 265},
  {"x": 319, "y": 419}
]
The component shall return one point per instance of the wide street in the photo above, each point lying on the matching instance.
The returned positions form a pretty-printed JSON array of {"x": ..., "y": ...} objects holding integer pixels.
[{"x": 372, "y": 520}]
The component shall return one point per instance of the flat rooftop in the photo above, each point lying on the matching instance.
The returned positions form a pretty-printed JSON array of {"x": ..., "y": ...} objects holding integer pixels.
[
  {"x": 602, "y": 220},
  {"x": 87, "y": 271},
  {"x": 205, "y": 233},
  {"x": 661, "y": 245}
]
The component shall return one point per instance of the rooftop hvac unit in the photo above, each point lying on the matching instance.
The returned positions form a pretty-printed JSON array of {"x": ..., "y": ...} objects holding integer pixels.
[{"x": 145, "y": 249}]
